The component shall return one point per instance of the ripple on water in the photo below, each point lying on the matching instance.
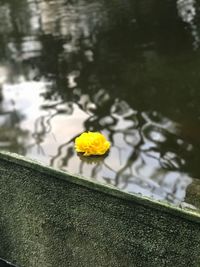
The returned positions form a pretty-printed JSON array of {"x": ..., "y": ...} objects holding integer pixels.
[{"x": 154, "y": 134}]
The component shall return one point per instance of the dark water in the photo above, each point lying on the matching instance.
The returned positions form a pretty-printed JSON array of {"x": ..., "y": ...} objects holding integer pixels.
[{"x": 130, "y": 69}]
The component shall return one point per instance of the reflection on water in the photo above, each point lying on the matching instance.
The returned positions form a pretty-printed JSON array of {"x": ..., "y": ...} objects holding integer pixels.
[
  {"x": 129, "y": 70},
  {"x": 187, "y": 11}
]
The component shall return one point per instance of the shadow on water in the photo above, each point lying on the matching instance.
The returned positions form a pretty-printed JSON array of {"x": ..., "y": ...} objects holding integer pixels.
[{"x": 129, "y": 70}]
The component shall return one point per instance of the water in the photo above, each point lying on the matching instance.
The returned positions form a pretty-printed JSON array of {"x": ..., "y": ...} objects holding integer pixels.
[{"x": 129, "y": 69}]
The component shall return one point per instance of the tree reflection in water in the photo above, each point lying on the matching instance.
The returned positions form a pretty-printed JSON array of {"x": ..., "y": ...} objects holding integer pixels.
[{"x": 71, "y": 66}]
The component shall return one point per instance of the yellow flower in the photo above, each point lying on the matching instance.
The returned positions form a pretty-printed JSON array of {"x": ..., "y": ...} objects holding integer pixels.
[{"x": 92, "y": 143}]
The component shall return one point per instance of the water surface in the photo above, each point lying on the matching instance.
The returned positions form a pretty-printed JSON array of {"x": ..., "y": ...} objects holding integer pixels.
[{"x": 129, "y": 69}]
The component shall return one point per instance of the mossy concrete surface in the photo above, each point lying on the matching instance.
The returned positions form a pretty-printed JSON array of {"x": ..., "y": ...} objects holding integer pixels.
[{"x": 46, "y": 221}]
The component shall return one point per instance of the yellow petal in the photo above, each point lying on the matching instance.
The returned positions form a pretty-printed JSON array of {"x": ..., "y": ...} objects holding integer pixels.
[{"x": 92, "y": 143}]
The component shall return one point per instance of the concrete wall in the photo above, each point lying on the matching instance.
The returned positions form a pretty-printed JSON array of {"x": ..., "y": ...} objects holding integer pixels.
[{"x": 46, "y": 221}]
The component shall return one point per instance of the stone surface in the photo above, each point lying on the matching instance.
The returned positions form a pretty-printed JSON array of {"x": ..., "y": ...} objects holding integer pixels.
[{"x": 48, "y": 222}]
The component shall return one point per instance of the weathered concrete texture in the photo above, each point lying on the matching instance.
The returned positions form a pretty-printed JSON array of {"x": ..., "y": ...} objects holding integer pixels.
[{"x": 47, "y": 221}]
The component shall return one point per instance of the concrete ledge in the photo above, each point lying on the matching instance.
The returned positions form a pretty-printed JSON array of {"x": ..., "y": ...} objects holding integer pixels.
[
  {"x": 190, "y": 214},
  {"x": 51, "y": 218}
]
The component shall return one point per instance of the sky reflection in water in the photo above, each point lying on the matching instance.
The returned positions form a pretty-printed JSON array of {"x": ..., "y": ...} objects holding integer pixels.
[{"x": 119, "y": 69}]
